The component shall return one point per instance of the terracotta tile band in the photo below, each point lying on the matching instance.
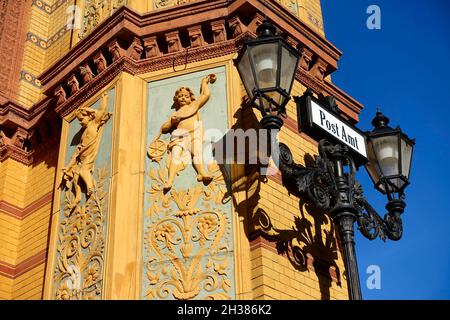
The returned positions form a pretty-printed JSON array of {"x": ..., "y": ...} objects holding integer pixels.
[
  {"x": 13, "y": 272},
  {"x": 16, "y": 212}
]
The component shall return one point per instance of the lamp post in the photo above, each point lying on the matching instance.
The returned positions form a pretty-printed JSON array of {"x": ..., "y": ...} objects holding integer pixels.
[{"x": 267, "y": 68}]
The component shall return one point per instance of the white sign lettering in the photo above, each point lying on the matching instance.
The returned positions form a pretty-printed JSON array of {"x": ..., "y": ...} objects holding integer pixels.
[{"x": 337, "y": 128}]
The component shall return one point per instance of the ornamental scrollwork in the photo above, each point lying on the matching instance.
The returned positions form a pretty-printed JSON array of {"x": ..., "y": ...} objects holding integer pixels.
[
  {"x": 81, "y": 245},
  {"x": 81, "y": 233},
  {"x": 371, "y": 224},
  {"x": 187, "y": 242},
  {"x": 291, "y": 5},
  {"x": 95, "y": 11},
  {"x": 159, "y": 4}
]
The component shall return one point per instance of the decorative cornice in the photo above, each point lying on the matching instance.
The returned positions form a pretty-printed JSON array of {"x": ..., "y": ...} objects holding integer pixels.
[
  {"x": 109, "y": 38},
  {"x": 18, "y": 126},
  {"x": 138, "y": 44}
]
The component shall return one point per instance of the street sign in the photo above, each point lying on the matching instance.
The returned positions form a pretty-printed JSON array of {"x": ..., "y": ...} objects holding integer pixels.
[{"x": 320, "y": 122}]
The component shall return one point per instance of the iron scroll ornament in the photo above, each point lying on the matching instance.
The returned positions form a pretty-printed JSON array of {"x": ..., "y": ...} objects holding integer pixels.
[{"x": 330, "y": 191}]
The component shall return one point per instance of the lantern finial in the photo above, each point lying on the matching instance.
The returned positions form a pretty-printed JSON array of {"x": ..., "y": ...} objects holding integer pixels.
[
  {"x": 380, "y": 120},
  {"x": 266, "y": 29}
]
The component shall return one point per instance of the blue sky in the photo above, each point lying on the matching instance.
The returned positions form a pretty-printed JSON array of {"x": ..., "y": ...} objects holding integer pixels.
[{"x": 404, "y": 69}]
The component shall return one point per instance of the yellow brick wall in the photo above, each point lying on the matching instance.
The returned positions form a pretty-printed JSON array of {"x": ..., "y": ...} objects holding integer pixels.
[
  {"x": 310, "y": 12},
  {"x": 47, "y": 41},
  {"x": 273, "y": 276},
  {"x": 29, "y": 286},
  {"x": 22, "y": 239}
]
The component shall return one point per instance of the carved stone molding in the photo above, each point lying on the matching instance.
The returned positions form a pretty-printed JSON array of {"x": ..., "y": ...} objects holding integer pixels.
[
  {"x": 60, "y": 95},
  {"x": 22, "y": 131},
  {"x": 100, "y": 62}
]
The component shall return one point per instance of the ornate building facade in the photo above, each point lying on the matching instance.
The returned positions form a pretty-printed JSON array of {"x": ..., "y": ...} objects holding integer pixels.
[{"x": 99, "y": 103}]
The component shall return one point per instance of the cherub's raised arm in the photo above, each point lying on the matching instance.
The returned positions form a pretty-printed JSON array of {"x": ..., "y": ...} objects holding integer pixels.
[
  {"x": 103, "y": 107},
  {"x": 205, "y": 93}
]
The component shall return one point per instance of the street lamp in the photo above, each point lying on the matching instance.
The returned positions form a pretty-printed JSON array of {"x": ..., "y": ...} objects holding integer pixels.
[
  {"x": 390, "y": 153},
  {"x": 267, "y": 68}
]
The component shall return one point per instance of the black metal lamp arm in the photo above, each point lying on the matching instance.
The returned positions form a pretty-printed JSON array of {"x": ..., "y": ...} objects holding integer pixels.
[
  {"x": 320, "y": 185},
  {"x": 370, "y": 222}
]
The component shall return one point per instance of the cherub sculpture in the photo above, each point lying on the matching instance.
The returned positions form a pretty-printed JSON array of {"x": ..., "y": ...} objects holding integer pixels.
[
  {"x": 81, "y": 164},
  {"x": 185, "y": 127}
]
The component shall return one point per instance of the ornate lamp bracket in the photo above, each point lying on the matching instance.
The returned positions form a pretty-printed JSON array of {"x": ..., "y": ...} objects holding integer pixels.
[{"x": 329, "y": 188}]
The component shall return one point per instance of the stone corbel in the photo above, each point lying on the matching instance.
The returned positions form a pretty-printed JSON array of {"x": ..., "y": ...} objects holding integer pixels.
[
  {"x": 18, "y": 140},
  {"x": 100, "y": 62},
  {"x": 116, "y": 50},
  {"x": 135, "y": 49},
  {"x": 237, "y": 27},
  {"x": 173, "y": 41},
  {"x": 318, "y": 69},
  {"x": 305, "y": 58},
  {"x": 73, "y": 84},
  {"x": 196, "y": 36},
  {"x": 292, "y": 41},
  {"x": 256, "y": 22},
  {"x": 151, "y": 47},
  {"x": 3, "y": 139},
  {"x": 86, "y": 73},
  {"x": 60, "y": 95},
  {"x": 219, "y": 31}
]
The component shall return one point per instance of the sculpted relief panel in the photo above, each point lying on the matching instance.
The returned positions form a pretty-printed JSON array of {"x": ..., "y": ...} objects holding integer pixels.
[
  {"x": 82, "y": 228},
  {"x": 292, "y": 5},
  {"x": 188, "y": 236},
  {"x": 158, "y": 4},
  {"x": 95, "y": 11}
]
